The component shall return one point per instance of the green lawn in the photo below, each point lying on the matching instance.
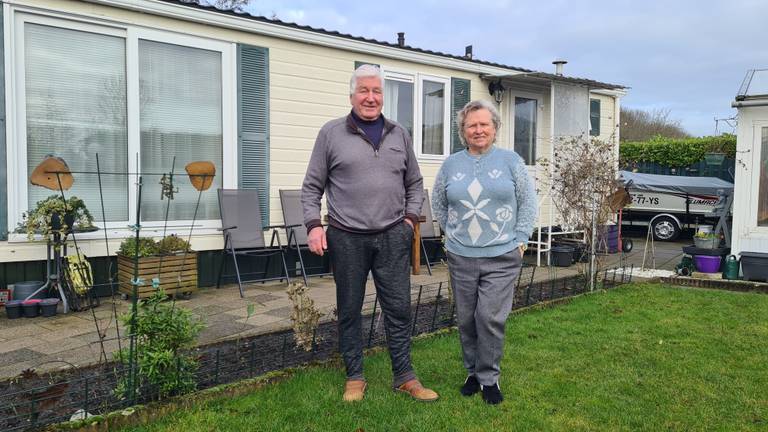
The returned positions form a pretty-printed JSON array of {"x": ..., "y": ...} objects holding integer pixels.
[{"x": 641, "y": 357}]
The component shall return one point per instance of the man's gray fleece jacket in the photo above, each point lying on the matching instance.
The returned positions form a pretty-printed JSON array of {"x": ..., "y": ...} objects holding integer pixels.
[{"x": 368, "y": 190}]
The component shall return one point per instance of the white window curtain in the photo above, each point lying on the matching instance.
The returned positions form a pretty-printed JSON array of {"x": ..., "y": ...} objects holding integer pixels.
[
  {"x": 525, "y": 129},
  {"x": 433, "y": 97},
  {"x": 398, "y": 103},
  {"x": 181, "y": 115},
  {"x": 76, "y": 107},
  {"x": 762, "y": 201}
]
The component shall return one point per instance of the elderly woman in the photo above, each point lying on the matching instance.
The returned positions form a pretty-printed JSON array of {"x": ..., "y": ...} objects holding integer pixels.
[{"x": 485, "y": 202}]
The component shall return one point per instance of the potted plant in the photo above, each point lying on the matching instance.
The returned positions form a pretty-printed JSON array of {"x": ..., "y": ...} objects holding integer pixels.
[
  {"x": 169, "y": 264},
  {"x": 53, "y": 215},
  {"x": 706, "y": 240}
]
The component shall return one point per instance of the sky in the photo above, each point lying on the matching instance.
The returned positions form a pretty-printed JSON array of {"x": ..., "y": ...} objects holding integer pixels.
[{"x": 688, "y": 57}]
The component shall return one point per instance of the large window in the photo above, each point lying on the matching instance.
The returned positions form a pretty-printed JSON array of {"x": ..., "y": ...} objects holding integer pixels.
[
  {"x": 433, "y": 118},
  {"x": 398, "y": 101},
  {"x": 762, "y": 197},
  {"x": 421, "y": 104},
  {"x": 180, "y": 96},
  {"x": 525, "y": 129},
  {"x": 76, "y": 108},
  {"x": 136, "y": 98}
]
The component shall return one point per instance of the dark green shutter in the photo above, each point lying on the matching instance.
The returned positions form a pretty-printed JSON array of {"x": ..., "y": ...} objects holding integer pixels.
[
  {"x": 253, "y": 123},
  {"x": 459, "y": 98},
  {"x": 594, "y": 117},
  {"x": 3, "y": 154},
  {"x": 360, "y": 63}
]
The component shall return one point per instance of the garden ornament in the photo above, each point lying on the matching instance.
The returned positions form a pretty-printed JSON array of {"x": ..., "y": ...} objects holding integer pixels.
[
  {"x": 201, "y": 174},
  {"x": 52, "y": 173}
]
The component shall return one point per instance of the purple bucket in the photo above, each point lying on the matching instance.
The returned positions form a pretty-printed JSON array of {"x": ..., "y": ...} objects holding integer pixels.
[{"x": 707, "y": 263}]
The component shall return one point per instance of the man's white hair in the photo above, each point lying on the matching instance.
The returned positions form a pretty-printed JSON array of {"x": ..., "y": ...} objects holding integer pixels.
[{"x": 364, "y": 71}]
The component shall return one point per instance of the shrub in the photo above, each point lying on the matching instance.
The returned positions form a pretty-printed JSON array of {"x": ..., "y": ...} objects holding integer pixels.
[
  {"x": 163, "y": 334},
  {"x": 676, "y": 152},
  {"x": 173, "y": 244},
  {"x": 146, "y": 246}
]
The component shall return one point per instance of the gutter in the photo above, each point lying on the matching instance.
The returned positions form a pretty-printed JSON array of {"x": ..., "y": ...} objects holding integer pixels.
[{"x": 749, "y": 103}]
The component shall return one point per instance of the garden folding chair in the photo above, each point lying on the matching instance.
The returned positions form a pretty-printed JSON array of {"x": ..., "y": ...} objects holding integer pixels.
[
  {"x": 295, "y": 231},
  {"x": 244, "y": 235},
  {"x": 427, "y": 228}
]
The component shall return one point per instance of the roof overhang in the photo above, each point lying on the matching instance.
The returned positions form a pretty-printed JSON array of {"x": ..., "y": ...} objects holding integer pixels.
[{"x": 543, "y": 78}]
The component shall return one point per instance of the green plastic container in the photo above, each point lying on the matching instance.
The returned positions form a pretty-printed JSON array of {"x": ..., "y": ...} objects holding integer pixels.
[{"x": 731, "y": 268}]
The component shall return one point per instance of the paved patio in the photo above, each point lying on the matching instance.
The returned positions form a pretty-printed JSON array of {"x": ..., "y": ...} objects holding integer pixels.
[{"x": 64, "y": 341}]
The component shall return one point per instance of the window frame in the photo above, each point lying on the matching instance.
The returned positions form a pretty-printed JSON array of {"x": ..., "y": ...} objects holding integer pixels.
[
  {"x": 417, "y": 79},
  {"x": 16, "y": 107},
  {"x": 417, "y": 140},
  {"x": 599, "y": 113},
  {"x": 539, "y": 98}
]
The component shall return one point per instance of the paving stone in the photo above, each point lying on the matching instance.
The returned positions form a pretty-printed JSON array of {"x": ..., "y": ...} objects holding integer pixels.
[
  {"x": 283, "y": 312},
  {"x": 262, "y": 298},
  {"x": 18, "y": 355},
  {"x": 61, "y": 345}
]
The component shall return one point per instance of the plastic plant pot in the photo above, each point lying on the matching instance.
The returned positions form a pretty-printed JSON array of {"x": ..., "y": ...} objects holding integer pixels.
[
  {"x": 13, "y": 309},
  {"x": 707, "y": 264},
  {"x": 562, "y": 256},
  {"x": 31, "y": 308},
  {"x": 48, "y": 307}
]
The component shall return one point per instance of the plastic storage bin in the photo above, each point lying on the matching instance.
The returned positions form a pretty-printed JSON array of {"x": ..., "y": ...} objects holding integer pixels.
[
  {"x": 754, "y": 266},
  {"x": 562, "y": 256},
  {"x": 48, "y": 307}
]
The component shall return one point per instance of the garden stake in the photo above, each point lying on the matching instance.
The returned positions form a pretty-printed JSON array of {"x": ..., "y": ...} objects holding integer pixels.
[
  {"x": 252, "y": 358},
  {"x": 283, "y": 355},
  {"x": 218, "y": 357},
  {"x": 373, "y": 320},
  {"x": 108, "y": 262},
  {"x": 528, "y": 295},
  {"x": 85, "y": 404},
  {"x": 416, "y": 314},
  {"x": 437, "y": 304},
  {"x": 631, "y": 270}
]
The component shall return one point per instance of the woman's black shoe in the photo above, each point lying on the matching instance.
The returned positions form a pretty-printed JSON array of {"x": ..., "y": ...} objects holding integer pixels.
[
  {"x": 492, "y": 394},
  {"x": 470, "y": 387}
]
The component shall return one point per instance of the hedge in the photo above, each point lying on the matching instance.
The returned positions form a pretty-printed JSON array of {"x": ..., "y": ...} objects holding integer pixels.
[{"x": 677, "y": 152}]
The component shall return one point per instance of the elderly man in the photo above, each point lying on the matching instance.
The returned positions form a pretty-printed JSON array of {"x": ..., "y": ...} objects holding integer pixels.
[{"x": 366, "y": 166}]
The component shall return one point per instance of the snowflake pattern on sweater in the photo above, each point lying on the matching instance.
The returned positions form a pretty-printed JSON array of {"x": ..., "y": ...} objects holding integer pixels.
[{"x": 485, "y": 204}]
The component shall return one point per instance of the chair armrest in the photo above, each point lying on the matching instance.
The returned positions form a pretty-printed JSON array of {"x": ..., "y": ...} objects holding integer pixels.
[
  {"x": 227, "y": 228},
  {"x": 293, "y": 226},
  {"x": 273, "y": 227}
]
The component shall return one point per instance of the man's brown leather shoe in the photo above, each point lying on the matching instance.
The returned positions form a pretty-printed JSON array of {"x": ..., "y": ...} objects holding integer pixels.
[
  {"x": 354, "y": 390},
  {"x": 417, "y": 391}
]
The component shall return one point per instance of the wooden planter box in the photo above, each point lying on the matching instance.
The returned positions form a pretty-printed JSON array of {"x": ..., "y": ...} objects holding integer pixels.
[{"x": 174, "y": 279}]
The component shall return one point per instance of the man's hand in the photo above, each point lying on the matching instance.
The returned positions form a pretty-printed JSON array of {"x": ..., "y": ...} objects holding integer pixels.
[
  {"x": 408, "y": 221},
  {"x": 522, "y": 252},
  {"x": 316, "y": 241}
]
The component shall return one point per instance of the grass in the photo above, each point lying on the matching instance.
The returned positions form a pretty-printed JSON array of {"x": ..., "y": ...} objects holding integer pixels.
[{"x": 641, "y": 357}]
